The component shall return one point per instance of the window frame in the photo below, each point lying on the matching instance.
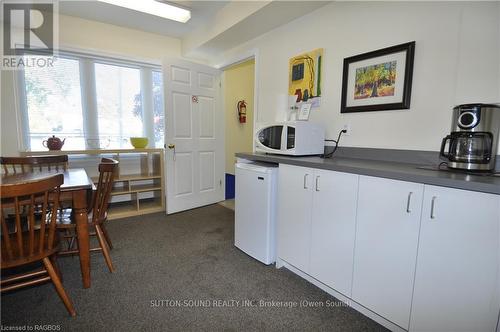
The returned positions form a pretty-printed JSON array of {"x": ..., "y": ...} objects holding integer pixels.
[
  {"x": 88, "y": 93},
  {"x": 150, "y": 95}
]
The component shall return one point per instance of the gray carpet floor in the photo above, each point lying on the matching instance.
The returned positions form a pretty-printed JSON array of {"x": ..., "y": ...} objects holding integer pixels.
[{"x": 169, "y": 272}]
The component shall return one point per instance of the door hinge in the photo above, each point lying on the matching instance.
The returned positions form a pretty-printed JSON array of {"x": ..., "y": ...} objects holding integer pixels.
[{"x": 220, "y": 182}]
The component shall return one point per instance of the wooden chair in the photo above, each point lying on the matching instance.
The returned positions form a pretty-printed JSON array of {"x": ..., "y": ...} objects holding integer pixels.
[
  {"x": 98, "y": 213},
  {"x": 14, "y": 165},
  {"x": 31, "y": 238}
]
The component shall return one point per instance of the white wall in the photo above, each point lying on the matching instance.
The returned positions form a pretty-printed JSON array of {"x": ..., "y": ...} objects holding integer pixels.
[
  {"x": 101, "y": 37},
  {"x": 80, "y": 34},
  {"x": 456, "y": 61}
]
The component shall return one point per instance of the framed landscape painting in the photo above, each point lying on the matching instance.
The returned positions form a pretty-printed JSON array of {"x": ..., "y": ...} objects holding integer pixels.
[{"x": 378, "y": 80}]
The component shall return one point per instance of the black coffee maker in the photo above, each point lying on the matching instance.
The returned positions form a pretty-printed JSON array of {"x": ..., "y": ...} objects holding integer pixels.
[{"x": 472, "y": 144}]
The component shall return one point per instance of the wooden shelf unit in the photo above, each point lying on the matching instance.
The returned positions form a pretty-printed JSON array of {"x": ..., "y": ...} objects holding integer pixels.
[{"x": 139, "y": 186}]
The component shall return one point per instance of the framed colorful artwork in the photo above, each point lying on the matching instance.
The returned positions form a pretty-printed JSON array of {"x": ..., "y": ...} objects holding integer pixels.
[
  {"x": 304, "y": 78},
  {"x": 378, "y": 80}
]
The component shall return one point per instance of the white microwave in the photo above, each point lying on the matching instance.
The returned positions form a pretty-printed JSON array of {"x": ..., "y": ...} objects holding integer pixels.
[{"x": 295, "y": 138}]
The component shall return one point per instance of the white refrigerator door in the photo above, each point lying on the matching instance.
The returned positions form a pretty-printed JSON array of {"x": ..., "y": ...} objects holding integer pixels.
[{"x": 254, "y": 227}]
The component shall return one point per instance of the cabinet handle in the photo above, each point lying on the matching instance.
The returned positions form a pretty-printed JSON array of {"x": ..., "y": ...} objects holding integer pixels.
[
  {"x": 305, "y": 180},
  {"x": 317, "y": 183},
  {"x": 408, "y": 202},
  {"x": 433, "y": 202}
]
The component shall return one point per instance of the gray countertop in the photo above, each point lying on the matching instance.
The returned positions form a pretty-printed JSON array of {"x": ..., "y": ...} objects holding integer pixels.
[{"x": 384, "y": 169}]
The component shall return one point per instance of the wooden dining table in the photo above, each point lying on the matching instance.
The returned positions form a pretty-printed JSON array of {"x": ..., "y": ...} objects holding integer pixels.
[{"x": 77, "y": 187}]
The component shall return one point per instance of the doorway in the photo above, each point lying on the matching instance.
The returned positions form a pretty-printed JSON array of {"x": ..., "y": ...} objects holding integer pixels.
[{"x": 238, "y": 86}]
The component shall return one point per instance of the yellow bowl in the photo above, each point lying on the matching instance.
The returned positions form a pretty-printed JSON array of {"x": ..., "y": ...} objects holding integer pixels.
[{"x": 139, "y": 142}]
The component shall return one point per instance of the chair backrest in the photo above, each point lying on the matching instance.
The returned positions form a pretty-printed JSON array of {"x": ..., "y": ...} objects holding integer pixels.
[
  {"x": 27, "y": 230},
  {"x": 14, "y": 165},
  {"x": 107, "y": 171}
]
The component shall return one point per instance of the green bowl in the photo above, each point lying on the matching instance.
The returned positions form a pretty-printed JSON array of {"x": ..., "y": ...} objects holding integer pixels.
[{"x": 139, "y": 142}]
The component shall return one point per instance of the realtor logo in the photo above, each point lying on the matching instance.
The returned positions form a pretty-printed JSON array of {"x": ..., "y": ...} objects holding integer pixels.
[{"x": 27, "y": 27}]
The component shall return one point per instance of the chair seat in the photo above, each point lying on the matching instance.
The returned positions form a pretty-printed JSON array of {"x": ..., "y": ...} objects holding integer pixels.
[{"x": 18, "y": 259}]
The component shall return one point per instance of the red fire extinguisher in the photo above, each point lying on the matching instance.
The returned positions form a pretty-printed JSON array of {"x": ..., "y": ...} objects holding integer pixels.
[{"x": 242, "y": 111}]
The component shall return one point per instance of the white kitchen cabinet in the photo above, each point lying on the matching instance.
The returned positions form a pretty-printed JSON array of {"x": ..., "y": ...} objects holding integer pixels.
[
  {"x": 333, "y": 227},
  {"x": 457, "y": 277},
  {"x": 425, "y": 258},
  {"x": 294, "y": 215},
  {"x": 316, "y": 223},
  {"x": 387, "y": 229}
]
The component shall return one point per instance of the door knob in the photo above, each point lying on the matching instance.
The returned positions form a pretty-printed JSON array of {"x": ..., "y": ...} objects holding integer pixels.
[{"x": 172, "y": 146}]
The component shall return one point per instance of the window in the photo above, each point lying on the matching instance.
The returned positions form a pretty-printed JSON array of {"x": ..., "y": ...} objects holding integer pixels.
[
  {"x": 93, "y": 103},
  {"x": 119, "y": 106},
  {"x": 54, "y": 102}
]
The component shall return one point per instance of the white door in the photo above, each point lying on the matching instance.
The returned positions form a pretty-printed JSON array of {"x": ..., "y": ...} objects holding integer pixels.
[
  {"x": 194, "y": 135},
  {"x": 294, "y": 214},
  {"x": 385, "y": 255},
  {"x": 457, "y": 279},
  {"x": 333, "y": 227}
]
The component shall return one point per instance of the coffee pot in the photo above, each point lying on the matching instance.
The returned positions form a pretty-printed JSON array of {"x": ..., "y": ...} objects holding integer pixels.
[
  {"x": 473, "y": 141},
  {"x": 53, "y": 143}
]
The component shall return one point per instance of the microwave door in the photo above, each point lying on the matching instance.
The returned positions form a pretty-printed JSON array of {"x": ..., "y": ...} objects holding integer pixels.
[{"x": 271, "y": 137}]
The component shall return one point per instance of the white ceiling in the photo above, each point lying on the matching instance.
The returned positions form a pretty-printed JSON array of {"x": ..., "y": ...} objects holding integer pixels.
[{"x": 201, "y": 12}]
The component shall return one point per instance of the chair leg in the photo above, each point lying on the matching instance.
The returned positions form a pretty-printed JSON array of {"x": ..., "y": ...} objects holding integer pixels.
[
  {"x": 59, "y": 287},
  {"x": 69, "y": 240},
  {"x": 72, "y": 243},
  {"x": 56, "y": 267},
  {"x": 106, "y": 236},
  {"x": 104, "y": 247}
]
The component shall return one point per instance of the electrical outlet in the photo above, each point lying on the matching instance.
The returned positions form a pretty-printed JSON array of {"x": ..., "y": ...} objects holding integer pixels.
[{"x": 347, "y": 128}]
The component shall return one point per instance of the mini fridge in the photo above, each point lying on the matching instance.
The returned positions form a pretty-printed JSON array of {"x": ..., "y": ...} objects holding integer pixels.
[{"x": 255, "y": 210}]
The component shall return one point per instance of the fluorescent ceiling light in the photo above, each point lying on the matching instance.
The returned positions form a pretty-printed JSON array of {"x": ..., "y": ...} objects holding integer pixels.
[{"x": 153, "y": 7}]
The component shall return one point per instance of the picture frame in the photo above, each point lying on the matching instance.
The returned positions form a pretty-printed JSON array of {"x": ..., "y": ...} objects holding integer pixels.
[{"x": 380, "y": 80}]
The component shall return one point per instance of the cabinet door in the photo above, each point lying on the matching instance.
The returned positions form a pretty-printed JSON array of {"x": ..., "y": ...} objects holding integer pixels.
[
  {"x": 457, "y": 276},
  {"x": 387, "y": 227},
  {"x": 294, "y": 215},
  {"x": 333, "y": 226}
]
